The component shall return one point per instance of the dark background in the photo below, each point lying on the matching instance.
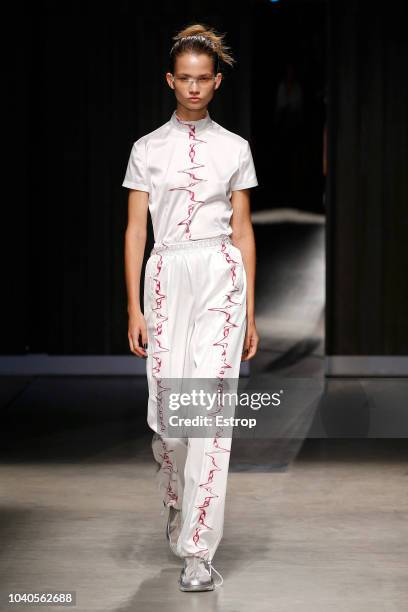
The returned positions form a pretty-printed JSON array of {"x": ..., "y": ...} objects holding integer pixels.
[{"x": 83, "y": 86}]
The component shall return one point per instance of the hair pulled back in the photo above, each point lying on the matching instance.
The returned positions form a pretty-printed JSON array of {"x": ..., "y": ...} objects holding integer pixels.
[{"x": 198, "y": 38}]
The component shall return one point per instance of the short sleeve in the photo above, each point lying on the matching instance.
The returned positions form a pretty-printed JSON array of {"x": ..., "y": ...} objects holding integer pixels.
[
  {"x": 136, "y": 172},
  {"x": 245, "y": 176}
]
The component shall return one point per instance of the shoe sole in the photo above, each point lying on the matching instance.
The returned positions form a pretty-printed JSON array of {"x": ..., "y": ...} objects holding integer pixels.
[{"x": 209, "y": 587}]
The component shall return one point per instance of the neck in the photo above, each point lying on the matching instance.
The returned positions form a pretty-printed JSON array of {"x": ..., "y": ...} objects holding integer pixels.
[
  {"x": 186, "y": 114},
  {"x": 198, "y": 123}
]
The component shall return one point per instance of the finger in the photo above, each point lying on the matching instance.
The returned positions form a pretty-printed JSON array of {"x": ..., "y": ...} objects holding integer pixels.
[
  {"x": 145, "y": 343},
  {"x": 245, "y": 353},
  {"x": 136, "y": 348},
  {"x": 252, "y": 349},
  {"x": 131, "y": 347}
]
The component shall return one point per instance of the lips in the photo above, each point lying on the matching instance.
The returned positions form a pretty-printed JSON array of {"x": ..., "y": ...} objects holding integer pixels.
[{"x": 194, "y": 99}]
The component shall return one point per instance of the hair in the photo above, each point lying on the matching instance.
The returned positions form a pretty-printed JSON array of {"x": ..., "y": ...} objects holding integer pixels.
[{"x": 198, "y": 38}]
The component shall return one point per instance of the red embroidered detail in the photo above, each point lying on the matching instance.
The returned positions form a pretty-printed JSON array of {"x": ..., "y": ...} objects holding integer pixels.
[
  {"x": 220, "y": 387},
  {"x": 167, "y": 464},
  {"x": 194, "y": 180},
  {"x": 168, "y": 467}
]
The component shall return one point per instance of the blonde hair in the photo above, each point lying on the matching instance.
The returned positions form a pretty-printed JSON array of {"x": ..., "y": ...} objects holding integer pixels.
[{"x": 198, "y": 38}]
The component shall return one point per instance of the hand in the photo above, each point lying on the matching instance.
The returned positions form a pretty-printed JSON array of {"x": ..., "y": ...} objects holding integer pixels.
[
  {"x": 251, "y": 341},
  {"x": 137, "y": 329}
]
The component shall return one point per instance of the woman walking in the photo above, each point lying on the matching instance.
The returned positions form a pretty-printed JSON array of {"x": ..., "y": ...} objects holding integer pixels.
[{"x": 193, "y": 176}]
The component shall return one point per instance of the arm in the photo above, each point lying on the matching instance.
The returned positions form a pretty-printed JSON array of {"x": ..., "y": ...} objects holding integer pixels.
[
  {"x": 135, "y": 242},
  {"x": 243, "y": 238}
]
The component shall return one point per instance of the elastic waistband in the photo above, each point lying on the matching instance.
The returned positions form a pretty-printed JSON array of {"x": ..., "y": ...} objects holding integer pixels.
[{"x": 191, "y": 244}]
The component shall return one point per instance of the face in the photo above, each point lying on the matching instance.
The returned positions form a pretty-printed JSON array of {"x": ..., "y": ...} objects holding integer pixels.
[{"x": 192, "y": 66}]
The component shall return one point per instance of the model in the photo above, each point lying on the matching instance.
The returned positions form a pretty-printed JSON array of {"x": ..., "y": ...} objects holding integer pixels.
[{"x": 198, "y": 322}]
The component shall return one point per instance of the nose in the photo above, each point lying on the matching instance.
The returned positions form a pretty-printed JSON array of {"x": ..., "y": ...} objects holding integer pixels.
[{"x": 193, "y": 86}]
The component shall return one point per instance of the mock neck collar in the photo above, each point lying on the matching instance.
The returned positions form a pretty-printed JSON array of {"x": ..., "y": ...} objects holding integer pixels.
[{"x": 183, "y": 125}]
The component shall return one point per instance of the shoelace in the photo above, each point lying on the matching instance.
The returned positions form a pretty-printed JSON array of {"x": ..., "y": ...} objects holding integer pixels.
[{"x": 212, "y": 568}]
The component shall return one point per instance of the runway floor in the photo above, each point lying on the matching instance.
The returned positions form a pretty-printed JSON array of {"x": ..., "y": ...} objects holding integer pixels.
[{"x": 327, "y": 533}]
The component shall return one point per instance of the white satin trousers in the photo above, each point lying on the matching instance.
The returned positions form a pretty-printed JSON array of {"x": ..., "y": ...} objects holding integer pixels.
[{"x": 195, "y": 310}]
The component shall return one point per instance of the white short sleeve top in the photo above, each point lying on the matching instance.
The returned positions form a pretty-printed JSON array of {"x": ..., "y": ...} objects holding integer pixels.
[{"x": 190, "y": 169}]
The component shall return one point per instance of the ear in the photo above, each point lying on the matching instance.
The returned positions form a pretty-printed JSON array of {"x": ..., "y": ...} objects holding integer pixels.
[{"x": 169, "y": 79}]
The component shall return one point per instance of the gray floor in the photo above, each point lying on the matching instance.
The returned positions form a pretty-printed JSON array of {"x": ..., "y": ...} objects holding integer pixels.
[{"x": 329, "y": 533}]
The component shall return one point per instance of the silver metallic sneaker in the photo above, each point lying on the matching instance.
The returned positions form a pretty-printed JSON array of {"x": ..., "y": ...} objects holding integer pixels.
[
  {"x": 173, "y": 528},
  {"x": 196, "y": 575}
]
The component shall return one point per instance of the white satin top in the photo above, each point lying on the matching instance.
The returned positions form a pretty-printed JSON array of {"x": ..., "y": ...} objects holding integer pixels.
[{"x": 189, "y": 169}]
